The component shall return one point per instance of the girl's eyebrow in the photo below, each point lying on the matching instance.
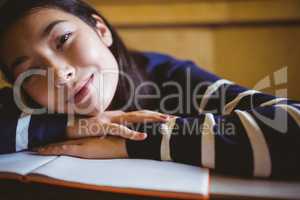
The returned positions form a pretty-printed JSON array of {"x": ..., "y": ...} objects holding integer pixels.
[
  {"x": 50, "y": 26},
  {"x": 18, "y": 61}
]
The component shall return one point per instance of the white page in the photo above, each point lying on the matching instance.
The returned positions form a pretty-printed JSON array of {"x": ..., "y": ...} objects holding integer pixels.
[
  {"x": 129, "y": 173},
  {"x": 221, "y": 185},
  {"x": 23, "y": 162}
]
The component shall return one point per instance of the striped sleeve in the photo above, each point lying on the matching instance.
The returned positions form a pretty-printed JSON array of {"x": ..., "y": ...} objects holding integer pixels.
[
  {"x": 243, "y": 143},
  {"x": 231, "y": 129},
  {"x": 20, "y": 132}
]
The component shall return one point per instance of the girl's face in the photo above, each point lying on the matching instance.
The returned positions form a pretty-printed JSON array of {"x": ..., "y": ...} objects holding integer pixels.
[{"x": 66, "y": 65}]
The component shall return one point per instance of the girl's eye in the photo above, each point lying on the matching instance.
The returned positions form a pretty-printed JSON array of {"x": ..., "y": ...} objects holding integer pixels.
[{"x": 62, "y": 40}]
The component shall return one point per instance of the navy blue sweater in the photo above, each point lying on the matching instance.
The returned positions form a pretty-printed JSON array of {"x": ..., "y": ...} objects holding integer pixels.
[{"x": 220, "y": 125}]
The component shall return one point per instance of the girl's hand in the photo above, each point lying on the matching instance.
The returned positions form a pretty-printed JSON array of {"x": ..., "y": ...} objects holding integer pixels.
[
  {"x": 91, "y": 148},
  {"x": 113, "y": 123}
]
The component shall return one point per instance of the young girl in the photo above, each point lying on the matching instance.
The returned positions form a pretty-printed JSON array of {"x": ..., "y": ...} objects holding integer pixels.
[{"x": 64, "y": 56}]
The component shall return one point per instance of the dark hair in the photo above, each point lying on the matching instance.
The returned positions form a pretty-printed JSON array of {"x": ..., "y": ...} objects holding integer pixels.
[{"x": 12, "y": 10}]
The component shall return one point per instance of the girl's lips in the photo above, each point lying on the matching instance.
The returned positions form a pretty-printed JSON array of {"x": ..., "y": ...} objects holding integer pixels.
[{"x": 83, "y": 91}]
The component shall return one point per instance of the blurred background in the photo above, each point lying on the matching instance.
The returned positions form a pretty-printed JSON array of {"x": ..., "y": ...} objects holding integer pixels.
[
  {"x": 255, "y": 43},
  {"x": 246, "y": 41}
]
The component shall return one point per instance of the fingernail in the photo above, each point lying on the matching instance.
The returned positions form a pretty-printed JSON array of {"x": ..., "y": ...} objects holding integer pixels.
[
  {"x": 143, "y": 135},
  {"x": 165, "y": 117}
]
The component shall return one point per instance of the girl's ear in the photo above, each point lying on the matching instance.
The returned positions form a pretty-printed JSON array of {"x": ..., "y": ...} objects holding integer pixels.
[{"x": 103, "y": 31}]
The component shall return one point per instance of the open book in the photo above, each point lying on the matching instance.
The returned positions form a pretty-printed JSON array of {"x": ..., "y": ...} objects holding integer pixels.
[
  {"x": 131, "y": 176},
  {"x": 140, "y": 177}
]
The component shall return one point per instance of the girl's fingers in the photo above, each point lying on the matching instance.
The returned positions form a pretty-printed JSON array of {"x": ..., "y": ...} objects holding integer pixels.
[
  {"x": 91, "y": 148},
  {"x": 123, "y": 131},
  {"x": 141, "y": 116},
  {"x": 59, "y": 150},
  {"x": 71, "y": 148}
]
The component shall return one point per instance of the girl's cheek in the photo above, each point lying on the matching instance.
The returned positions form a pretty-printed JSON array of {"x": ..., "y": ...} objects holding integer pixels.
[
  {"x": 86, "y": 52},
  {"x": 38, "y": 91}
]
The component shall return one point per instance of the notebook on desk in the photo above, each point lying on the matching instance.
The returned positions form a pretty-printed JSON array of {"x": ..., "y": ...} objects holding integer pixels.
[
  {"x": 139, "y": 177},
  {"x": 130, "y": 176}
]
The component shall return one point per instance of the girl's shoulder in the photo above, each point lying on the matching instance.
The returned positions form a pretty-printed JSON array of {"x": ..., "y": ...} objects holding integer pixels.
[
  {"x": 162, "y": 67},
  {"x": 160, "y": 63}
]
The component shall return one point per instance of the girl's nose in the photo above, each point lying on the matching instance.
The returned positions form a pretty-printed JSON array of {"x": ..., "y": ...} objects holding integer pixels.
[{"x": 64, "y": 76}]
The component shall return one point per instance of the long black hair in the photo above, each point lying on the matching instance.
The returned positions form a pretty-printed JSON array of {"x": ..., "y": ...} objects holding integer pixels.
[{"x": 12, "y": 10}]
